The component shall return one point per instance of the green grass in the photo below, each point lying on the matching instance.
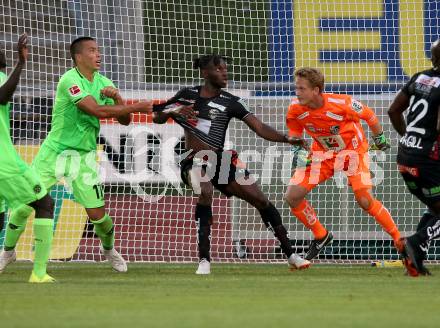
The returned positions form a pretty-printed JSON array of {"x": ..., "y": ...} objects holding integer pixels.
[{"x": 171, "y": 295}]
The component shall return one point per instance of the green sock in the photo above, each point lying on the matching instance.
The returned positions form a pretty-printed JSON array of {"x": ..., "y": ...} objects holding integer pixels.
[
  {"x": 16, "y": 226},
  {"x": 43, "y": 236},
  {"x": 104, "y": 230}
]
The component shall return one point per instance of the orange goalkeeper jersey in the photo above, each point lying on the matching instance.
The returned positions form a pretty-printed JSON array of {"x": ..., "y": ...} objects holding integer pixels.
[{"x": 334, "y": 126}]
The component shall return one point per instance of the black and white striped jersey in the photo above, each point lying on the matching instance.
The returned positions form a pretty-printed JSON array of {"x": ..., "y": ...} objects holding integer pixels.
[
  {"x": 213, "y": 115},
  {"x": 421, "y": 141}
]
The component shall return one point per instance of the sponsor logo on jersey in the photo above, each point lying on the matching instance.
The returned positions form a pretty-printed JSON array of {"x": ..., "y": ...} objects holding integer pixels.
[
  {"x": 310, "y": 127},
  {"x": 213, "y": 112},
  {"x": 223, "y": 96},
  {"x": 411, "y": 142},
  {"x": 215, "y": 105},
  {"x": 74, "y": 90},
  {"x": 354, "y": 142},
  {"x": 334, "y": 129},
  {"x": 335, "y": 143},
  {"x": 431, "y": 81},
  {"x": 334, "y": 116},
  {"x": 356, "y": 105},
  {"x": 302, "y": 116}
]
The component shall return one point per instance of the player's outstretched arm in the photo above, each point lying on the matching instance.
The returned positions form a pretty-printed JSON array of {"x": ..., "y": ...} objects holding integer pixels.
[
  {"x": 182, "y": 112},
  {"x": 114, "y": 94},
  {"x": 91, "y": 107},
  {"x": 8, "y": 88},
  {"x": 267, "y": 132}
]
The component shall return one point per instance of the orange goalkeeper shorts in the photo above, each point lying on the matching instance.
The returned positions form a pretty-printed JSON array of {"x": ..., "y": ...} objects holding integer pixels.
[{"x": 355, "y": 165}]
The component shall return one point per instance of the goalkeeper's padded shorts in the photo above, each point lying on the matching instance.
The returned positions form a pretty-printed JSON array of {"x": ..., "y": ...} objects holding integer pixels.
[{"x": 355, "y": 165}]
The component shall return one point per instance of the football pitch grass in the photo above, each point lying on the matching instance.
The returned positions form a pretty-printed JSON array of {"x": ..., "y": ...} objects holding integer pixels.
[{"x": 234, "y": 295}]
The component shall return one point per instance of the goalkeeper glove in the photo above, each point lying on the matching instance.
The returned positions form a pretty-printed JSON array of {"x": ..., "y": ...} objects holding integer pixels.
[
  {"x": 381, "y": 142},
  {"x": 301, "y": 157}
]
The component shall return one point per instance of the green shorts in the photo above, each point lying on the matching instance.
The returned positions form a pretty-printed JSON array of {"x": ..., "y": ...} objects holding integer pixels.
[
  {"x": 79, "y": 170},
  {"x": 23, "y": 188}
]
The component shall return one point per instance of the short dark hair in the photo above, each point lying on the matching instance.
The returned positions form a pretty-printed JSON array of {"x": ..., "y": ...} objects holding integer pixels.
[
  {"x": 75, "y": 46},
  {"x": 204, "y": 60},
  {"x": 435, "y": 54}
]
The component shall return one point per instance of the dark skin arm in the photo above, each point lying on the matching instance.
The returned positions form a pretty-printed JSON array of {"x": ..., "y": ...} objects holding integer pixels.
[
  {"x": 395, "y": 112},
  {"x": 8, "y": 88},
  {"x": 186, "y": 112},
  {"x": 91, "y": 107},
  {"x": 267, "y": 132}
]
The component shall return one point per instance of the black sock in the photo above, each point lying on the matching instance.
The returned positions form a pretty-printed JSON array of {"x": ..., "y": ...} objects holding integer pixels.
[
  {"x": 427, "y": 219},
  {"x": 429, "y": 230},
  {"x": 272, "y": 219},
  {"x": 204, "y": 221}
]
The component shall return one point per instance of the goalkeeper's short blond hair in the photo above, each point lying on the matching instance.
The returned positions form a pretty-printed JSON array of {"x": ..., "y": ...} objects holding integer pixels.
[{"x": 314, "y": 76}]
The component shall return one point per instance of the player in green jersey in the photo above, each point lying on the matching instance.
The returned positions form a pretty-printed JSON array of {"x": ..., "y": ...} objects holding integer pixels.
[
  {"x": 19, "y": 184},
  {"x": 83, "y": 96}
]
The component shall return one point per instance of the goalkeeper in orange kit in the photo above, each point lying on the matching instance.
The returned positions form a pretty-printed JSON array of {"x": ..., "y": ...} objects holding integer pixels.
[{"x": 339, "y": 144}]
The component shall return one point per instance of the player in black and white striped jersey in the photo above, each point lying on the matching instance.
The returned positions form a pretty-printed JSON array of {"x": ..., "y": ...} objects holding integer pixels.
[
  {"x": 418, "y": 156},
  {"x": 204, "y": 113}
]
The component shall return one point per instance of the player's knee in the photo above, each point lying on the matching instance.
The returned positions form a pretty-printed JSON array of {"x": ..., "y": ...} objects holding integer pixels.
[
  {"x": 205, "y": 197},
  {"x": 44, "y": 207},
  {"x": 95, "y": 214},
  {"x": 261, "y": 203},
  {"x": 294, "y": 196},
  {"x": 22, "y": 212},
  {"x": 364, "y": 199}
]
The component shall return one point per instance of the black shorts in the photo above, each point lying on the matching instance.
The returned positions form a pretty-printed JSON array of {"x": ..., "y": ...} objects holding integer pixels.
[
  {"x": 220, "y": 175},
  {"x": 423, "y": 181}
]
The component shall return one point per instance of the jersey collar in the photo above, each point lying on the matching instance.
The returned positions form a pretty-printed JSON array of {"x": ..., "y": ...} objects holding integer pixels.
[{"x": 83, "y": 77}]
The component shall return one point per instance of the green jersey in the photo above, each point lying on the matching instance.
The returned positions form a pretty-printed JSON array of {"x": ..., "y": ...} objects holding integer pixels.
[
  {"x": 71, "y": 127},
  {"x": 10, "y": 162}
]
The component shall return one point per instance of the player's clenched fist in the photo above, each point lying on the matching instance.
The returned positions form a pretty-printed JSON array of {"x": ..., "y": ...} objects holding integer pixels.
[
  {"x": 110, "y": 92},
  {"x": 144, "y": 106}
]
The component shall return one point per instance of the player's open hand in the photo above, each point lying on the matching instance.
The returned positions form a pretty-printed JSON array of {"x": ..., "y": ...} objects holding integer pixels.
[
  {"x": 144, "y": 106},
  {"x": 22, "y": 48},
  {"x": 295, "y": 141},
  {"x": 110, "y": 92}
]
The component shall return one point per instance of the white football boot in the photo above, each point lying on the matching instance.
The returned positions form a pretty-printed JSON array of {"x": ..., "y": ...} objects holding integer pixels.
[
  {"x": 204, "y": 267},
  {"x": 296, "y": 262},
  {"x": 116, "y": 260}
]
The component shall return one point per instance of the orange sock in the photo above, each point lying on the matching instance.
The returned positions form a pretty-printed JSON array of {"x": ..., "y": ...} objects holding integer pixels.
[
  {"x": 306, "y": 214},
  {"x": 383, "y": 217}
]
